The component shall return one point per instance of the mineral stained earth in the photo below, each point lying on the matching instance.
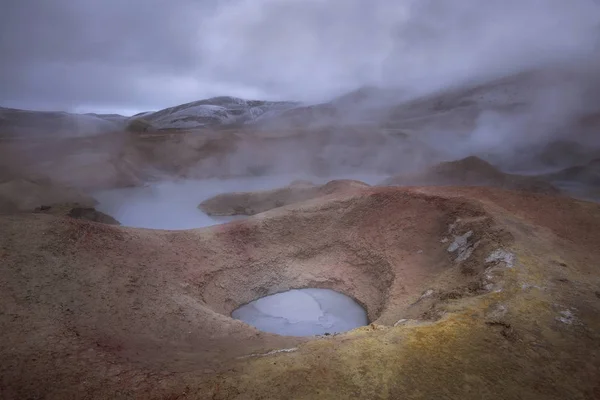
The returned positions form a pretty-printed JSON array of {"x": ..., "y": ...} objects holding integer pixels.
[{"x": 471, "y": 293}]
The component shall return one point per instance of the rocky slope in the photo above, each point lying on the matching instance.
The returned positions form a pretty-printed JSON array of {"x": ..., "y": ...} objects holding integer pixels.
[{"x": 472, "y": 293}]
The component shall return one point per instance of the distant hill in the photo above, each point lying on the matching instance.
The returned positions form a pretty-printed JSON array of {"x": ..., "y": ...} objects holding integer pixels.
[
  {"x": 213, "y": 112},
  {"x": 216, "y": 111},
  {"x": 23, "y": 122},
  {"x": 523, "y": 109}
]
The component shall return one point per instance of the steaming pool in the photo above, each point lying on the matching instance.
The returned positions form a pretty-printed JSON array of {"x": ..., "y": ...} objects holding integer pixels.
[
  {"x": 303, "y": 312},
  {"x": 173, "y": 205}
]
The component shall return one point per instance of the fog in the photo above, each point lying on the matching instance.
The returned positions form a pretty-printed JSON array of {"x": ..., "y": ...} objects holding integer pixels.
[
  {"x": 512, "y": 77},
  {"x": 173, "y": 205},
  {"x": 159, "y": 54},
  {"x": 387, "y": 87}
]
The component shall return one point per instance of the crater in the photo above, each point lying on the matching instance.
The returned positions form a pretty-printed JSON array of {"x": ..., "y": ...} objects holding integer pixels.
[
  {"x": 303, "y": 312},
  {"x": 203, "y": 299},
  {"x": 383, "y": 248}
]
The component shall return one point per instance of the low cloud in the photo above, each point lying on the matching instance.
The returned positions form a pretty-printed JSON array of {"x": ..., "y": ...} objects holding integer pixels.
[{"x": 144, "y": 55}]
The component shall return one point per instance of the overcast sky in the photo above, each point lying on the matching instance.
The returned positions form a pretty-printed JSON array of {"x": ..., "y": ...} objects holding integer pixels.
[{"x": 128, "y": 56}]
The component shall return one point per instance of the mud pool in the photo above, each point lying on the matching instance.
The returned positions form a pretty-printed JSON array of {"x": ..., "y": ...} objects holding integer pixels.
[{"x": 303, "y": 312}]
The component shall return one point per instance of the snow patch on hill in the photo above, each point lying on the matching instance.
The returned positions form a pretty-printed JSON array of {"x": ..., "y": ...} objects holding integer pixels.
[{"x": 217, "y": 111}]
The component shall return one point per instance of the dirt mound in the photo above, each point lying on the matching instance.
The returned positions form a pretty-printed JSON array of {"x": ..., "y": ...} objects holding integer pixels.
[
  {"x": 250, "y": 203},
  {"x": 76, "y": 212},
  {"x": 473, "y": 171},
  {"x": 73, "y": 210},
  {"x": 471, "y": 293},
  {"x": 91, "y": 214},
  {"x": 588, "y": 174},
  {"x": 26, "y": 195}
]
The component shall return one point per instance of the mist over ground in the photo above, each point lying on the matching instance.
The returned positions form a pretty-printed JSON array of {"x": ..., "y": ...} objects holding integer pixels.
[
  {"x": 159, "y": 54},
  {"x": 380, "y": 88},
  {"x": 313, "y": 199}
]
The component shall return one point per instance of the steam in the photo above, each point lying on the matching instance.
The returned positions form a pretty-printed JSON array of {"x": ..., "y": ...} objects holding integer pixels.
[
  {"x": 173, "y": 204},
  {"x": 388, "y": 87},
  {"x": 449, "y": 43},
  {"x": 315, "y": 50},
  {"x": 532, "y": 65}
]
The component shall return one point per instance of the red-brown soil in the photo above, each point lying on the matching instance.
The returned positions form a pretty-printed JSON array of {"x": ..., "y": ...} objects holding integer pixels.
[{"x": 474, "y": 292}]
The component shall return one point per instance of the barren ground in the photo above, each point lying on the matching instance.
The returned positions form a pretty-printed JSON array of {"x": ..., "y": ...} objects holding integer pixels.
[{"x": 471, "y": 293}]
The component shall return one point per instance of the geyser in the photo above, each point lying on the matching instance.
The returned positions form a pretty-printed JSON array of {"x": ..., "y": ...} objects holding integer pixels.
[{"x": 303, "y": 312}]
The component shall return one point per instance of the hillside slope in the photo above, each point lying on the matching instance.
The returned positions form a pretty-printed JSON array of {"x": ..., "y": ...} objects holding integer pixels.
[
  {"x": 25, "y": 123},
  {"x": 216, "y": 111},
  {"x": 472, "y": 293}
]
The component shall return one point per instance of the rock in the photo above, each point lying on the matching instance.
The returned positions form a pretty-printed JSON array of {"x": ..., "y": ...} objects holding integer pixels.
[{"x": 250, "y": 203}]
